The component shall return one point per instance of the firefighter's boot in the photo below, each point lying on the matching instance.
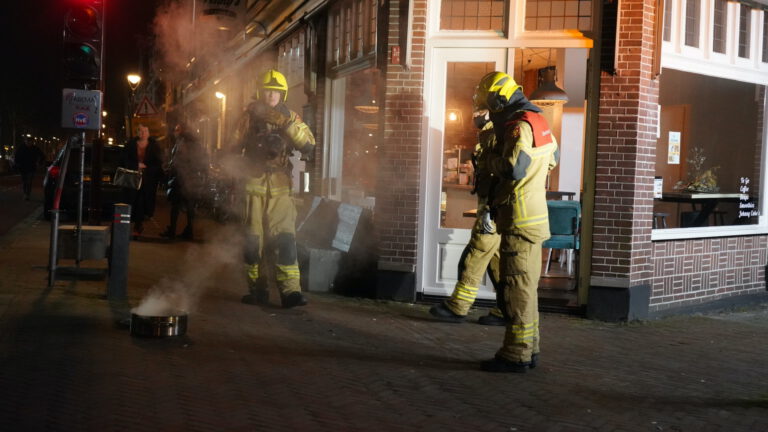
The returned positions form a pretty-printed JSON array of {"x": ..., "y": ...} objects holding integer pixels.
[
  {"x": 293, "y": 299},
  {"x": 494, "y": 318},
  {"x": 445, "y": 314}
]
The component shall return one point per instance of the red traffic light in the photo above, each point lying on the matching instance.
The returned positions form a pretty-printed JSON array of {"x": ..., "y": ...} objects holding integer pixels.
[
  {"x": 83, "y": 21},
  {"x": 83, "y": 44}
]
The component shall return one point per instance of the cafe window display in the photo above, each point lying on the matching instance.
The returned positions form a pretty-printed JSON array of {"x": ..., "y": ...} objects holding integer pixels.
[
  {"x": 361, "y": 129},
  {"x": 709, "y": 151},
  {"x": 460, "y": 141}
]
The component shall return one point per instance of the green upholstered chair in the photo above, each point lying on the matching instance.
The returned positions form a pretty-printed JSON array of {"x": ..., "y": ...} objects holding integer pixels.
[{"x": 564, "y": 218}]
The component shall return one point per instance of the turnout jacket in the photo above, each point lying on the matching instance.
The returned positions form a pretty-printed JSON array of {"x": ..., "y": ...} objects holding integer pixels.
[
  {"x": 527, "y": 153},
  {"x": 267, "y": 137}
]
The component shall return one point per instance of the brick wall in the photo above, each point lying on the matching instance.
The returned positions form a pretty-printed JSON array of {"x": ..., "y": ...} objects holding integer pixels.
[
  {"x": 397, "y": 195},
  {"x": 694, "y": 271},
  {"x": 680, "y": 273},
  {"x": 625, "y": 153}
]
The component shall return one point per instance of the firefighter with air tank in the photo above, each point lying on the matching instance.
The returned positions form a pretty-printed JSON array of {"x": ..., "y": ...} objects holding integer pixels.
[
  {"x": 527, "y": 152},
  {"x": 267, "y": 135}
]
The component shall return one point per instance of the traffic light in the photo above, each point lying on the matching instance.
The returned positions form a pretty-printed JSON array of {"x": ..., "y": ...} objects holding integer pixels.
[{"x": 83, "y": 41}]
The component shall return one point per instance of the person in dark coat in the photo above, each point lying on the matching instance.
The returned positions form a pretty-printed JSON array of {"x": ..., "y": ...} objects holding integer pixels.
[
  {"x": 143, "y": 154},
  {"x": 186, "y": 173},
  {"x": 26, "y": 160}
]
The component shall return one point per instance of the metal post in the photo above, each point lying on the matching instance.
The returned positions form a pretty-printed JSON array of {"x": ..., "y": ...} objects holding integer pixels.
[
  {"x": 79, "y": 228},
  {"x": 54, "y": 247},
  {"x": 118, "y": 258},
  {"x": 54, "y": 244}
]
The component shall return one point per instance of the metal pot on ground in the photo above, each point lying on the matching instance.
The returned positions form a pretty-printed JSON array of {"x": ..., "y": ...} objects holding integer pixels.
[{"x": 160, "y": 326}]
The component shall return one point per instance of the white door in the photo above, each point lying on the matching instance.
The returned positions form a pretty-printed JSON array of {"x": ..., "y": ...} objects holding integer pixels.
[{"x": 451, "y": 137}]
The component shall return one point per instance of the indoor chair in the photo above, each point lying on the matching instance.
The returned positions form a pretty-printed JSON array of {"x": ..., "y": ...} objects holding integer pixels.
[{"x": 564, "y": 219}]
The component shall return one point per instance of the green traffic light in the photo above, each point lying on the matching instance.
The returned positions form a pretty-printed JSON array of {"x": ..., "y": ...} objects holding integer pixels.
[{"x": 86, "y": 49}]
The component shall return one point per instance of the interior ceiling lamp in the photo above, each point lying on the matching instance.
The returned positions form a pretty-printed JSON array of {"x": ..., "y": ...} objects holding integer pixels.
[
  {"x": 453, "y": 116},
  {"x": 548, "y": 93},
  {"x": 371, "y": 108}
]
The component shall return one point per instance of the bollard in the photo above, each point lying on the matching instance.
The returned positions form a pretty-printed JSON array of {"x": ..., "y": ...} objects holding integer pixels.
[{"x": 118, "y": 259}]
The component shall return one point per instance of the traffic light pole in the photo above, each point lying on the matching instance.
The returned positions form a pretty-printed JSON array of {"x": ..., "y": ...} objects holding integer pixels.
[{"x": 80, "y": 193}]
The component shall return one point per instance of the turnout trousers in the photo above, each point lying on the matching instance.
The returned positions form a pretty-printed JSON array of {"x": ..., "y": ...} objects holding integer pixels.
[
  {"x": 480, "y": 254},
  {"x": 271, "y": 221},
  {"x": 520, "y": 266}
]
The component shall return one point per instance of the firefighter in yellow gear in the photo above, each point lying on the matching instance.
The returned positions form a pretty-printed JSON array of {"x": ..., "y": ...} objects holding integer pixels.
[
  {"x": 267, "y": 135},
  {"x": 527, "y": 151},
  {"x": 482, "y": 251}
]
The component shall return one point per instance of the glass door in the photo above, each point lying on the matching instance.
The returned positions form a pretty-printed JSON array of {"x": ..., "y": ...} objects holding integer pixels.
[{"x": 451, "y": 141}]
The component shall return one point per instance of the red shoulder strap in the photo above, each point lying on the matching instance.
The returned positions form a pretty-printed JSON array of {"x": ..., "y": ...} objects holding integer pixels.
[{"x": 542, "y": 135}]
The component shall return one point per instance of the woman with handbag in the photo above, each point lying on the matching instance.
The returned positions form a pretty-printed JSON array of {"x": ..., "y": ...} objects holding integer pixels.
[{"x": 142, "y": 154}]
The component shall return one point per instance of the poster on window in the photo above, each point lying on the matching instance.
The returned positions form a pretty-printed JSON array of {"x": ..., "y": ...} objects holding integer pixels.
[{"x": 673, "y": 154}]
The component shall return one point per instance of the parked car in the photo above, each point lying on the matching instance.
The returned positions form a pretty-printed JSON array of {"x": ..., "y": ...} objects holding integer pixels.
[{"x": 110, "y": 194}]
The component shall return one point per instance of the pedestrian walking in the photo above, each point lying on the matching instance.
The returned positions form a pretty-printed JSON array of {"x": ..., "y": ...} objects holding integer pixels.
[
  {"x": 482, "y": 251},
  {"x": 268, "y": 133},
  {"x": 185, "y": 179},
  {"x": 26, "y": 160},
  {"x": 142, "y": 153},
  {"x": 528, "y": 151}
]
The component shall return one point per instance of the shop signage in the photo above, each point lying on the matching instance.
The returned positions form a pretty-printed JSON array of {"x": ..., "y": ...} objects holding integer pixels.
[{"x": 81, "y": 109}]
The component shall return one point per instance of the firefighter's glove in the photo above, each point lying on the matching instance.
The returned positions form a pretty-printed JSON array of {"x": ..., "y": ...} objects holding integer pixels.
[
  {"x": 270, "y": 115},
  {"x": 487, "y": 223}
]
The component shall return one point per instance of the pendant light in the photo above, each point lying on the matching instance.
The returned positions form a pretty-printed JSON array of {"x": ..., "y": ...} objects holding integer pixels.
[{"x": 548, "y": 93}]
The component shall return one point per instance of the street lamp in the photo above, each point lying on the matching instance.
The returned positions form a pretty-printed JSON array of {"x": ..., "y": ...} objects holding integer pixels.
[
  {"x": 222, "y": 118},
  {"x": 133, "y": 81}
]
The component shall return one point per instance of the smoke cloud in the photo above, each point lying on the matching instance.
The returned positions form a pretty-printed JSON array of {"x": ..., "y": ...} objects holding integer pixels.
[{"x": 202, "y": 263}]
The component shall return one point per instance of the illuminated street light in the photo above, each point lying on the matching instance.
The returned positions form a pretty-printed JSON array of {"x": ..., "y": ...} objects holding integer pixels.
[
  {"x": 222, "y": 118},
  {"x": 133, "y": 80}
]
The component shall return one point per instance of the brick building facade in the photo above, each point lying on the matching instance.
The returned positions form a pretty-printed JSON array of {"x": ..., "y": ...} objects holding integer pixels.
[{"x": 610, "y": 134}]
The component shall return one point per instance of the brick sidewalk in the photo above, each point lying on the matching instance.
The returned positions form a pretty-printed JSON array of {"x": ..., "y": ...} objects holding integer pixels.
[{"x": 345, "y": 364}]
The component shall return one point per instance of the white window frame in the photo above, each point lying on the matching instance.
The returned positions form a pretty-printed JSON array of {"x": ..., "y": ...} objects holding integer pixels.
[
  {"x": 702, "y": 60},
  {"x": 676, "y": 55},
  {"x": 514, "y": 35}
]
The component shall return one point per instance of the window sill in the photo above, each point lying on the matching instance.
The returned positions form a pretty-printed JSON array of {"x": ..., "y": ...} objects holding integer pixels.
[{"x": 707, "y": 232}]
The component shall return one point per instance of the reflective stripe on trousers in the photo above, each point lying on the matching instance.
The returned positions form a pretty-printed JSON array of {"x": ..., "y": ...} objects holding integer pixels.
[{"x": 520, "y": 266}]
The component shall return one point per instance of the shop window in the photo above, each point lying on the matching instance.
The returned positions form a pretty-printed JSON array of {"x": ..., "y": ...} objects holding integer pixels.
[
  {"x": 351, "y": 31},
  {"x": 290, "y": 60},
  {"x": 708, "y": 153},
  {"x": 765, "y": 37},
  {"x": 460, "y": 140},
  {"x": 745, "y": 15},
  {"x": 667, "y": 34},
  {"x": 361, "y": 137},
  {"x": 558, "y": 15},
  {"x": 719, "y": 26},
  {"x": 473, "y": 15},
  {"x": 692, "y": 23}
]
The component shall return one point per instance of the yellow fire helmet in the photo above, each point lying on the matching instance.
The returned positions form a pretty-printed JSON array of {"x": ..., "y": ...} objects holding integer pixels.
[
  {"x": 273, "y": 80},
  {"x": 493, "y": 91}
]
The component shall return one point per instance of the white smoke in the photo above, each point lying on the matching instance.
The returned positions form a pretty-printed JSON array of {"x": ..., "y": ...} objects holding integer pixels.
[
  {"x": 184, "y": 39},
  {"x": 198, "y": 272}
]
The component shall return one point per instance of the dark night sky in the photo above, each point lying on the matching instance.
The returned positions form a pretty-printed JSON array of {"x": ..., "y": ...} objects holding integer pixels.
[{"x": 31, "y": 66}]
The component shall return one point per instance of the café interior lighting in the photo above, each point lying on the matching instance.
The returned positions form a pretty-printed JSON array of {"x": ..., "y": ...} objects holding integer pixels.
[
  {"x": 453, "y": 116},
  {"x": 370, "y": 108},
  {"x": 548, "y": 93}
]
